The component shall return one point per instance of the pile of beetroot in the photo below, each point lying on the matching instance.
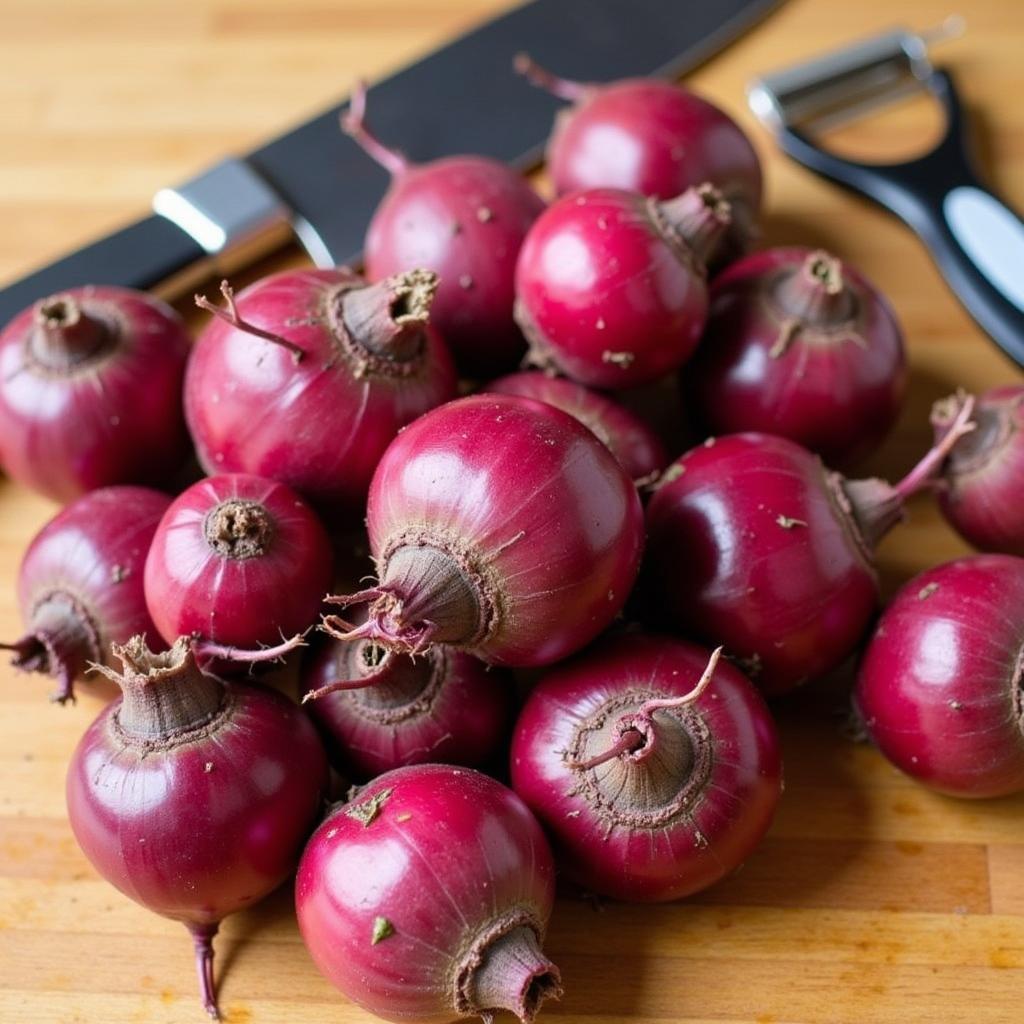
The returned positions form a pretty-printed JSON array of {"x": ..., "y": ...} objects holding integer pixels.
[{"x": 537, "y": 522}]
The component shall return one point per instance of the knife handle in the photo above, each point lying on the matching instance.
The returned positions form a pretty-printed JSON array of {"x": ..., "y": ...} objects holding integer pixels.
[
  {"x": 141, "y": 256},
  {"x": 977, "y": 241}
]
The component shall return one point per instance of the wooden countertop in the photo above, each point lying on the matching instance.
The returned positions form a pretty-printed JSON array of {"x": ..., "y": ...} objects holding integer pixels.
[{"x": 872, "y": 900}]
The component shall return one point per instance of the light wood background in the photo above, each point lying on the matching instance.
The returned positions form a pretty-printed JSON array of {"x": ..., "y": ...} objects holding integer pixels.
[{"x": 871, "y": 901}]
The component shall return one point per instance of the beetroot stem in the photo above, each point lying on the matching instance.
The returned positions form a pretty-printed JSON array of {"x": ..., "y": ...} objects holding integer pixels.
[
  {"x": 37, "y": 652},
  {"x": 925, "y": 470},
  {"x": 659, "y": 704},
  {"x": 382, "y": 626},
  {"x": 65, "y": 685},
  {"x": 637, "y": 733},
  {"x": 563, "y": 88},
  {"x": 352, "y": 684},
  {"x": 412, "y": 640},
  {"x": 202, "y": 938},
  {"x": 233, "y": 317},
  {"x": 630, "y": 741},
  {"x": 207, "y": 649},
  {"x": 353, "y": 124}
]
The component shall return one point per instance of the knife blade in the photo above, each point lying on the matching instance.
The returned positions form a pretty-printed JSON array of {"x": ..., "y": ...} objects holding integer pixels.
[{"x": 315, "y": 182}]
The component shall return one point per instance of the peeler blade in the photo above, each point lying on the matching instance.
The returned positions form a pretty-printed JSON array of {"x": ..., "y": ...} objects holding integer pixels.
[{"x": 842, "y": 85}]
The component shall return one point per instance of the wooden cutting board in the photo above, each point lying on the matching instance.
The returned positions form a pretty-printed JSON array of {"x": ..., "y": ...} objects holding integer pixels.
[{"x": 872, "y": 900}]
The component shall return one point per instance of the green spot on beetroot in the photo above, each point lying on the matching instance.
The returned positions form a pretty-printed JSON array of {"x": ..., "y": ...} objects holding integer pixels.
[{"x": 382, "y": 929}]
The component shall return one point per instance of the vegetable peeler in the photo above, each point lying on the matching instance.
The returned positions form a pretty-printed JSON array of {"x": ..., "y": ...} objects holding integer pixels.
[{"x": 975, "y": 238}]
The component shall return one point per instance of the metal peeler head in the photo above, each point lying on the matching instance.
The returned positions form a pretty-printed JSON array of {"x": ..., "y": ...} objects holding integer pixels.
[{"x": 841, "y": 86}]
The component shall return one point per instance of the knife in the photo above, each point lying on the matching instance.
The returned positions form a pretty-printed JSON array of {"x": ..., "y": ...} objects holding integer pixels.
[{"x": 315, "y": 184}]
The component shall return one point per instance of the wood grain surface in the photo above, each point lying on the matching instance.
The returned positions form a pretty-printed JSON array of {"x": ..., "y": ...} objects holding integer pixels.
[{"x": 872, "y": 900}]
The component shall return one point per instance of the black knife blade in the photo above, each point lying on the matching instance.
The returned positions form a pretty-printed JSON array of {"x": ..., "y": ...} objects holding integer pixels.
[{"x": 462, "y": 98}]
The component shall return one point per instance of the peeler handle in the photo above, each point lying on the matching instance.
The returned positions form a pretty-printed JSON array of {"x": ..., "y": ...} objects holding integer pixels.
[{"x": 975, "y": 238}]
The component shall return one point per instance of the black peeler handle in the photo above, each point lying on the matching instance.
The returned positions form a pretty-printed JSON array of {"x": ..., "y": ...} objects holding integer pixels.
[{"x": 976, "y": 239}]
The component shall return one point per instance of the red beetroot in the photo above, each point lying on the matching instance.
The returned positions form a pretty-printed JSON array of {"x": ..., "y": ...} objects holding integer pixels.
[
  {"x": 90, "y": 392},
  {"x": 385, "y": 711},
  {"x": 238, "y": 560},
  {"x": 651, "y": 137},
  {"x": 941, "y": 687},
  {"x": 465, "y": 218},
  {"x": 500, "y": 526},
  {"x": 800, "y": 345},
  {"x": 80, "y": 583},
  {"x": 637, "y": 447},
  {"x": 611, "y": 287},
  {"x": 754, "y": 544},
  {"x": 309, "y": 374},
  {"x": 653, "y": 780},
  {"x": 193, "y": 796},
  {"x": 427, "y": 897},
  {"x": 983, "y": 476}
]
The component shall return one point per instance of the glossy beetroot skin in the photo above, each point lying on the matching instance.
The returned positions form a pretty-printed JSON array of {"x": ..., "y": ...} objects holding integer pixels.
[
  {"x": 80, "y": 584},
  {"x": 193, "y": 796},
  {"x": 941, "y": 686},
  {"x": 465, "y": 218},
  {"x": 315, "y": 404},
  {"x": 798, "y": 344},
  {"x": 90, "y": 392},
  {"x": 611, "y": 287},
  {"x": 500, "y": 526},
  {"x": 753, "y": 543},
  {"x": 983, "y": 477},
  {"x": 380, "y": 711},
  {"x": 675, "y": 810},
  {"x": 238, "y": 560},
  {"x": 427, "y": 897},
  {"x": 651, "y": 137},
  {"x": 636, "y": 446}
]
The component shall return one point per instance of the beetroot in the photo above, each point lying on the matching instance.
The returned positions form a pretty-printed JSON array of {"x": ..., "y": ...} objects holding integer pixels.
[
  {"x": 465, "y": 218},
  {"x": 80, "y": 584},
  {"x": 381, "y": 711},
  {"x": 754, "y": 544},
  {"x": 237, "y": 560},
  {"x": 798, "y": 344},
  {"x": 308, "y": 375},
  {"x": 501, "y": 526},
  {"x": 90, "y": 392},
  {"x": 193, "y": 796},
  {"x": 983, "y": 476},
  {"x": 611, "y": 287},
  {"x": 427, "y": 896},
  {"x": 653, "y": 780},
  {"x": 941, "y": 686}
]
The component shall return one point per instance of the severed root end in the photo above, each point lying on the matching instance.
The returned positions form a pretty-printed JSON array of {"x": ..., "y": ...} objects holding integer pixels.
[
  {"x": 387, "y": 319},
  {"x": 694, "y": 223},
  {"x": 508, "y": 973}
]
